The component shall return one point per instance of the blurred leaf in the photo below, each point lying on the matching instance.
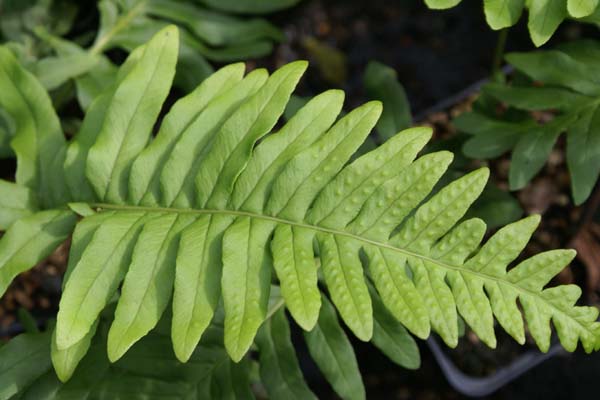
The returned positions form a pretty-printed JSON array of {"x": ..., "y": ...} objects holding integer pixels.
[
  {"x": 391, "y": 337},
  {"x": 531, "y": 152},
  {"x": 23, "y": 360},
  {"x": 6, "y": 134},
  {"x": 330, "y": 61},
  {"x": 583, "y": 153},
  {"x": 21, "y": 18},
  {"x": 295, "y": 104},
  {"x": 27, "y": 321},
  {"x": 381, "y": 83},
  {"x": 249, "y": 6},
  {"x": 491, "y": 137},
  {"x": 564, "y": 84},
  {"x": 192, "y": 67},
  {"x": 584, "y": 51},
  {"x": 91, "y": 83},
  {"x": 31, "y": 239},
  {"x": 148, "y": 370},
  {"x": 551, "y": 66},
  {"x": 16, "y": 202},
  {"x": 127, "y": 24},
  {"x": 213, "y": 28},
  {"x": 55, "y": 71},
  {"x": 495, "y": 207},
  {"x": 333, "y": 353},
  {"x": 534, "y": 98},
  {"x": 279, "y": 369},
  {"x": 39, "y": 142}
]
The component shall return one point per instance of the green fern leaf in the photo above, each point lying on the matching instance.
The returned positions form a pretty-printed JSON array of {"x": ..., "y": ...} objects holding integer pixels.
[
  {"x": 149, "y": 281},
  {"x": 197, "y": 282},
  {"x": 66, "y": 361},
  {"x": 204, "y": 212},
  {"x": 184, "y": 117},
  {"x": 177, "y": 178},
  {"x": 94, "y": 279},
  {"x": 246, "y": 282},
  {"x": 292, "y": 248},
  {"x": 125, "y": 132}
]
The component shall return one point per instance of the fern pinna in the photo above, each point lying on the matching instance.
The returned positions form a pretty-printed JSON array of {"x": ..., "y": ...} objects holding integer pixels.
[
  {"x": 544, "y": 16},
  {"x": 217, "y": 209}
]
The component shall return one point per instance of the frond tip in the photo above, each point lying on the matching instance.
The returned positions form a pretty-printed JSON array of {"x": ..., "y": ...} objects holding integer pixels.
[{"x": 218, "y": 207}]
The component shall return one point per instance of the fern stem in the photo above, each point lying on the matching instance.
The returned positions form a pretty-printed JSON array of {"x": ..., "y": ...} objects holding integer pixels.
[
  {"x": 405, "y": 252},
  {"x": 123, "y": 22},
  {"x": 499, "y": 55},
  {"x": 237, "y": 213}
]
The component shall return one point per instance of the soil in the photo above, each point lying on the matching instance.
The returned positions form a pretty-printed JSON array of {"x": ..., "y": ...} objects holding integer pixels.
[{"x": 436, "y": 55}]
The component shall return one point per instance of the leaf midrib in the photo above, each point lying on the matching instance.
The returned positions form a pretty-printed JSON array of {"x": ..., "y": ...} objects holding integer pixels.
[
  {"x": 238, "y": 213},
  {"x": 122, "y": 22}
]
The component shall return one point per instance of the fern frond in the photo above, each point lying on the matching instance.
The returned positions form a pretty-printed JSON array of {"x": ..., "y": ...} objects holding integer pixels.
[{"x": 217, "y": 201}]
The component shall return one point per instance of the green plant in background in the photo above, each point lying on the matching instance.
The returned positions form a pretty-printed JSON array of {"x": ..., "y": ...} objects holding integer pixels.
[
  {"x": 206, "y": 34},
  {"x": 208, "y": 231},
  {"x": 19, "y": 18},
  {"x": 33, "y": 30},
  {"x": 561, "y": 82},
  {"x": 544, "y": 15}
]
